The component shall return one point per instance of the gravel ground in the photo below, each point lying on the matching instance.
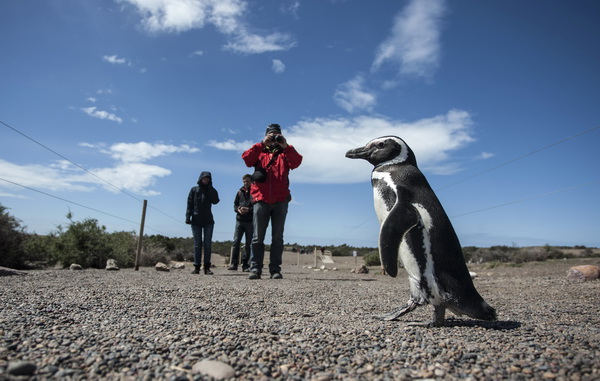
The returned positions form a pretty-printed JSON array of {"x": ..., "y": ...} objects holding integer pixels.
[{"x": 312, "y": 325}]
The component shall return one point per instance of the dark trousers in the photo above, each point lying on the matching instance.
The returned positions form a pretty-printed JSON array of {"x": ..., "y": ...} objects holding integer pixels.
[
  {"x": 242, "y": 229},
  {"x": 263, "y": 213},
  {"x": 202, "y": 242}
]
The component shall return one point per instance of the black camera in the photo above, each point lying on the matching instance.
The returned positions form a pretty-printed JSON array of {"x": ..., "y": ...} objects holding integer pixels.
[{"x": 278, "y": 139}]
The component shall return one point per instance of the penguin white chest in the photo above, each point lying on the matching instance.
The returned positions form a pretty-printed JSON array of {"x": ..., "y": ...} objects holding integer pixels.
[{"x": 384, "y": 194}]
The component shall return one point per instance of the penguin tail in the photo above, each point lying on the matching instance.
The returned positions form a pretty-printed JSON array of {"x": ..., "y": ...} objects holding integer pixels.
[{"x": 486, "y": 312}]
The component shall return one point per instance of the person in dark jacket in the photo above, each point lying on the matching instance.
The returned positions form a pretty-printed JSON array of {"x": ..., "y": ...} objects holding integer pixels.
[
  {"x": 242, "y": 206},
  {"x": 274, "y": 158},
  {"x": 199, "y": 214}
]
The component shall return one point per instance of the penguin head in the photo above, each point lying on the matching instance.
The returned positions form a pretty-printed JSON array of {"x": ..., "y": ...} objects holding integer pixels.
[{"x": 386, "y": 150}]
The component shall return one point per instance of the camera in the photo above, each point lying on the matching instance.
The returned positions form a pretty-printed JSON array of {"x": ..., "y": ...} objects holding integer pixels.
[{"x": 278, "y": 139}]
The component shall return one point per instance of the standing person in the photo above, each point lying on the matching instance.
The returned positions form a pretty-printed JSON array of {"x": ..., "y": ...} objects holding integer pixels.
[
  {"x": 199, "y": 214},
  {"x": 242, "y": 206},
  {"x": 273, "y": 159}
]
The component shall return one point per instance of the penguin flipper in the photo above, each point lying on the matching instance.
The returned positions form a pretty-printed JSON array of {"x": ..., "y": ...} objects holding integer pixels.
[{"x": 399, "y": 221}]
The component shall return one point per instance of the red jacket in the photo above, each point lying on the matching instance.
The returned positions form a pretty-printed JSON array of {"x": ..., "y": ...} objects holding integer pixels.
[{"x": 276, "y": 187}]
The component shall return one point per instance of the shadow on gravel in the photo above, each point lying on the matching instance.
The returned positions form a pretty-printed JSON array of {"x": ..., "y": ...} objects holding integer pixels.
[
  {"x": 496, "y": 325},
  {"x": 344, "y": 279}
]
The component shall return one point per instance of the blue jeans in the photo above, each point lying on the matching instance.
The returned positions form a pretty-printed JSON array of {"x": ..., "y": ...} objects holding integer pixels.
[
  {"x": 242, "y": 228},
  {"x": 198, "y": 230},
  {"x": 264, "y": 212}
]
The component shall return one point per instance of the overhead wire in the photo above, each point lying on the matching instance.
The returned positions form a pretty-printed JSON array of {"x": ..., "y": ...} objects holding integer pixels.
[
  {"x": 86, "y": 170},
  {"x": 502, "y": 165}
]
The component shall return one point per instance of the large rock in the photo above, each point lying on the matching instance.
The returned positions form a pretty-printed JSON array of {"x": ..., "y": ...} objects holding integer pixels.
[
  {"x": 584, "y": 272},
  {"x": 111, "y": 265},
  {"x": 161, "y": 267},
  {"x": 178, "y": 266},
  {"x": 75, "y": 266},
  {"x": 361, "y": 270}
]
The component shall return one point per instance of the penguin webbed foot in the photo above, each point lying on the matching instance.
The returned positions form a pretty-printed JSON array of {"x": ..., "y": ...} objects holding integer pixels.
[
  {"x": 395, "y": 314},
  {"x": 438, "y": 320}
]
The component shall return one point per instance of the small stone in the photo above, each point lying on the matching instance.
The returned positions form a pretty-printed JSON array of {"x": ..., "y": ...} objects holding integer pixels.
[
  {"x": 161, "y": 267},
  {"x": 75, "y": 266},
  {"x": 111, "y": 265},
  {"x": 215, "y": 369},
  {"x": 21, "y": 368}
]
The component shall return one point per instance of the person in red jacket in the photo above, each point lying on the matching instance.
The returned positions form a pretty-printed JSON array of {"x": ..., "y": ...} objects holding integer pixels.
[{"x": 273, "y": 158}]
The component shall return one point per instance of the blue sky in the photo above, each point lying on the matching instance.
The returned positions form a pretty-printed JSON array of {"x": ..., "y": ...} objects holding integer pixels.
[{"x": 107, "y": 103}]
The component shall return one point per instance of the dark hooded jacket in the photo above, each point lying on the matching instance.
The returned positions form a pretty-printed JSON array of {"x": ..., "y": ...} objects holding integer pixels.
[{"x": 199, "y": 202}]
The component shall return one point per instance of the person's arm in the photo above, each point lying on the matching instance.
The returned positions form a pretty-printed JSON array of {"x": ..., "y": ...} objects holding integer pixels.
[
  {"x": 292, "y": 156},
  {"x": 190, "y": 207},
  {"x": 251, "y": 155}
]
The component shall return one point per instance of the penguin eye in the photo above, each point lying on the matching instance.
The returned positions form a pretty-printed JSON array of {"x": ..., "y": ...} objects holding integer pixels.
[{"x": 380, "y": 145}]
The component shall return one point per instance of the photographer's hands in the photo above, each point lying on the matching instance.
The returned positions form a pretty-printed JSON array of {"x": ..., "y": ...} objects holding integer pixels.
[{"x": 272, "y": 139}]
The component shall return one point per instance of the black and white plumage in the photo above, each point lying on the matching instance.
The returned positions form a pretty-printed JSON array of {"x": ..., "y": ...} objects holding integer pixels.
[{"x": 415, "y": 227}]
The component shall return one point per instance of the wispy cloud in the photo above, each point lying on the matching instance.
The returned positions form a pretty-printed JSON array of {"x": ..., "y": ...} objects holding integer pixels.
[
  {"x": 227, "y": 16},
  {"x": 197, "y": 53},
  {"x": 323, "y": 143},
  {"x": 130, "y": 172},
  {"x": 116, "y": 60},
  {"x": 278, "y": 66},
  {"x": 230, "y": 145},
  {"x": 413, "y": 45},
  {"x": 486, "y": 155},
  {"x": 100, "y": 114},
  {"x": 352, "y": 95}
]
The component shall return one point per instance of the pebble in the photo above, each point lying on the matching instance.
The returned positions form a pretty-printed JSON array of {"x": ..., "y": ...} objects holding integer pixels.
[{"x": 98, "y": 324}]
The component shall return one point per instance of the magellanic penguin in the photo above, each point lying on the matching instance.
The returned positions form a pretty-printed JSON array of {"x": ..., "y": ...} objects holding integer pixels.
[{"x": 415, "y": 226}]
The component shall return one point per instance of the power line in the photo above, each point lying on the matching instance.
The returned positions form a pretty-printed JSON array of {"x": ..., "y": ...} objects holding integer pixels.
[
  {"x": 519, "y": 158},
  {"x": 74, "y": 203},
  {"x": 502, "y": 165},
  {"x": 85, "y": 170},
  {"x": 528, "y": 198}
]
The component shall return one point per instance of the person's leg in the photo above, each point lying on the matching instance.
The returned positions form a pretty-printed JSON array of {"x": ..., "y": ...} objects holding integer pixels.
[
  {"x": 278, "y": 216},
  {"x": 260, "y": 222},
  {"x": 235, "y": 248},
  {"x": 247, "y": 229},
  {"x": 208, "y": 232},
  {"x": 197, "y": 232}
]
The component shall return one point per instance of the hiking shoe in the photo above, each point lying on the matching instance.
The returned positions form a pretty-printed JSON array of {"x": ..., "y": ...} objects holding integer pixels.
[
  {"x": 276, "y": 276},
  {"x": 254, "y": 276},
  {"x": 232, "y": 268},
  {"x": 246, "y": 269},
  {"x": 208, "y": 272}
]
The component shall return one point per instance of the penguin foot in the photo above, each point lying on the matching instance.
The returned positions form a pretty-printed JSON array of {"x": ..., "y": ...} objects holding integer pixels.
[
  {"x": 395, "y": 314},
  {"x": 438, "y": 320}
]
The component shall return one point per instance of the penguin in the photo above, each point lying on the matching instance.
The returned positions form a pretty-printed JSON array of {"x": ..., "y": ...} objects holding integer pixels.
[{"x": 415, "y": 228}]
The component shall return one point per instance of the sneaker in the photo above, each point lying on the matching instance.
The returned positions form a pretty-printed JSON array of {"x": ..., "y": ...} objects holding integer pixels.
[
  {"x": 254, "y": 276},
  {"x": 246, "y": 269},
  {"x": 276, "y": 276},
  {"x": 232, "y": 268}
]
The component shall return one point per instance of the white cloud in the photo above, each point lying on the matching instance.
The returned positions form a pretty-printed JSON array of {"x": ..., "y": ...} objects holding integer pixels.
[
  {"x": 226, "y": 15},
  {"x": 254, "y": 44},
  {"x": 197, "y": 53},
  {"x": 278, "y": 66},
  {"x": 95, "y": 113},
  {"x": 230, "y": 145},
  {"x": 413, "y": 44},
  {"x": 486, "y": 155},
  {"x": 143, "y": 151},
  {"x": 130, "y": 173},
  {"x": 116, "y": 60},
  {"x": 351, "y": 96},
  {"x": 323, "y": 142}
]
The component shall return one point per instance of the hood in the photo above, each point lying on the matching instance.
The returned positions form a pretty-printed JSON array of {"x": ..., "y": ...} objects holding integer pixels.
[{"x": 204, "y": 174}]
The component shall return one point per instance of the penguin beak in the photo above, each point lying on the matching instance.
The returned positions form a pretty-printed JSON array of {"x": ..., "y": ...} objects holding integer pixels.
[{"x": 358, "y": 153}]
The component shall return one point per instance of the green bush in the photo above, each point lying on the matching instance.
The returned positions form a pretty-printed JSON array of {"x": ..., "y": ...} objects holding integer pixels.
[
  {"x": 372, "y": 259},
  {"x": 12, "y": 236},
  {"x": 89, "y": 244}
]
